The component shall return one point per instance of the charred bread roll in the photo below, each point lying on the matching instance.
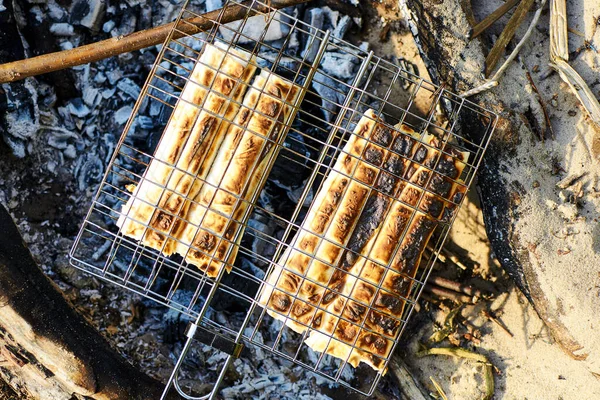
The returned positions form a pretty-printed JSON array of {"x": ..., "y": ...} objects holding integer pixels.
[
  {"x": 371, "y": 316},
  {"x": 213, "y": 80},
  {"x": 235, "y": 174},
  {"x": 287, "y": 280}
]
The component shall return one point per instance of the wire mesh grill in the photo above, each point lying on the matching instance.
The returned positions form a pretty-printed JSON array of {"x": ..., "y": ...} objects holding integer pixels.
[{"x": 310, "y": 139}]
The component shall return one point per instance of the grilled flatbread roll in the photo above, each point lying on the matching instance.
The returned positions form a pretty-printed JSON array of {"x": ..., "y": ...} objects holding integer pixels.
[
  {"x": 185, "y": 130},
  {"x": 219, "y": 108},
  {"x": 283, "y": 284},
  {"x": 236, "y": 172},
  {"x": 380, "y": 310}
]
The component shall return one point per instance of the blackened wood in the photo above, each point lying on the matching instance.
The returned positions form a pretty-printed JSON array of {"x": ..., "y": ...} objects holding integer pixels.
[{"x": 47, "y": 343}]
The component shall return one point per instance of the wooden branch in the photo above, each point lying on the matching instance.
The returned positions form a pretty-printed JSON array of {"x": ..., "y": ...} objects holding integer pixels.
[
  {"x": 47, "y": 350},
  {"x": 493, "y": 17},
  {"x": 506, "y": 36},
  {"x": 85, "y": 54}
]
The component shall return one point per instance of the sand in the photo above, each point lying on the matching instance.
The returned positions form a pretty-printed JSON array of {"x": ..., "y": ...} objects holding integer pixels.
[{"x": 563, "y": 239}]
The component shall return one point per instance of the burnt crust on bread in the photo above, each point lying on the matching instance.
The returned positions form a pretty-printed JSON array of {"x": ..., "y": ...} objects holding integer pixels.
[
  {"x": 237, "y": 171},
  {"x": 139, "y": 210}
]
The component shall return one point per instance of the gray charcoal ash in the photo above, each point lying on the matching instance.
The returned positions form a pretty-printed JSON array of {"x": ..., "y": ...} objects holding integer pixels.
[
  {"x": 108, "y": 93},
  {"x": 251, "y": 386},
  {"x": 296, "y": 194},
  {"x": 129, "y": 87},
  {"x": 122, "y": 114},
  {"x": 253, "y": 30},
  {"x": 287, "y": 64},
  {"x": 87, "y": 13},
  {"x": 341, "y": 65},
  {"x": 315, "y": 18},
  {"x": 261, "y": 230},
  {"x": 91, "y": 96},
  {"x": 20, "y": 116},
  {"x": 17, "y": 146},
  {"x": 108, "y": 26},
  {"x": 249, "y": 266},
  {"x": 114, "y": 75},
  {"x": 55, "y": 11},
  {"x": 128, "y": 22},
  {"x": 62, "y": 29},
  {"x": 78, "y": 108},
  {"x": 343, "y": 24},
  {"x": 144, "y": 122},
  {"x": 88, "y": 171},
  {"x": 326, "y": 88}
]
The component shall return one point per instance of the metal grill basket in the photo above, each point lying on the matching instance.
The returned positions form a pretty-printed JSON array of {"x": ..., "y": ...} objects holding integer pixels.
[{"x": 322, "y": 119}]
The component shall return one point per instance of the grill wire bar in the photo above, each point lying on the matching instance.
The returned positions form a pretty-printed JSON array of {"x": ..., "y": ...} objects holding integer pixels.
[{"x": 321, "y": 120}]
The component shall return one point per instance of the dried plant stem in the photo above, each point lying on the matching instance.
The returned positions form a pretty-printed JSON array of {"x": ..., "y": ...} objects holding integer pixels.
[
  {"x": 559, "y": 60},
  {"x": 448, "y": 294},
  {"x": 542, "y": 105},
  {"x": 438, "y": 388},
  {"x": 494, "y": 81},
  {"x": 493, "y": 17},
  {"x": 462, "y": 353},
  {"x": 506, "y": 36},
  {"x": 85, "y": 54},
  {"x": 455, "y": 286}
]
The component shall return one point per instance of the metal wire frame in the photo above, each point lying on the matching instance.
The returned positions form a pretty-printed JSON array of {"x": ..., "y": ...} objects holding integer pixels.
[{"x": 160, "y": 278}]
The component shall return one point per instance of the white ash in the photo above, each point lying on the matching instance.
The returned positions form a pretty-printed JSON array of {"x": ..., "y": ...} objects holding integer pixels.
[
  {"x": 341, "y": 65},
  {"x": 122, "y": 114},
  {"x": 129, "y": 87},
  {"x": 62, "y": 29}
]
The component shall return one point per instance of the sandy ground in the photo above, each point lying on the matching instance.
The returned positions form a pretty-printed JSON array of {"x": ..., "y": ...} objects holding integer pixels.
[{"x": 529, "y": 364}]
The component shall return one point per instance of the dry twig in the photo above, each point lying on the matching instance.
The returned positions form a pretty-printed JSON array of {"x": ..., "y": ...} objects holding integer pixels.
[
  {"x": 542, "y": 105},
  {"x": 462, "y": 353},
  {"x": 506, "y": 36},
  {"x": 85, "y": 54},
  {"x": 493, "y": 17},
  {"x": 493, "y": 82},
  {"x": 559, "y": 60}
]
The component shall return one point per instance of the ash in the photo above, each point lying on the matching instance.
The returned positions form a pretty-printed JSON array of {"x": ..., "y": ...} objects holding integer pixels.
[{"x": 59, "y": 132}]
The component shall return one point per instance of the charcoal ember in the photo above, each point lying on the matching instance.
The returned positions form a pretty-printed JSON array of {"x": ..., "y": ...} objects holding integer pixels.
[
  {"x": 342, "y": 26},
  {"x": 122, "y": 114},
  {"x": 19, "y": 115},
  {"x": 289, "y": 169},
  {"x": 315, "y": 17},
  {"x": 128, "y": 22},
  {"x": 341, "y": 65},
  {"x": 62, "y": 29},
  {"x": 260, "y": 232},
  {"x": 332, "y": 94},
  {"x": 175, "y": 322},
  {"x": 285, "y": 65},
  {"x": 88, "y": 171},
  {"x": 78, "y": 108},
  {"x": 129, "y": 87},
  {"x": 108, "y": 26},
  {"x": 87, "y": 13}
]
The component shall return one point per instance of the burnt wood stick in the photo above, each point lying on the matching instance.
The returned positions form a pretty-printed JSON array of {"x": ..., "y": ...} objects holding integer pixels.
[
  {"x": 52, "y": 351},
  {"x": 88, "y": 53}
]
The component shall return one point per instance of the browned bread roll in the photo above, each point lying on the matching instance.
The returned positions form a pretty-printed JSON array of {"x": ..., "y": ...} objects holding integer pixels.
[
  {"x": 235, "y": 174},
  {"x": 219, "y": 75}
]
